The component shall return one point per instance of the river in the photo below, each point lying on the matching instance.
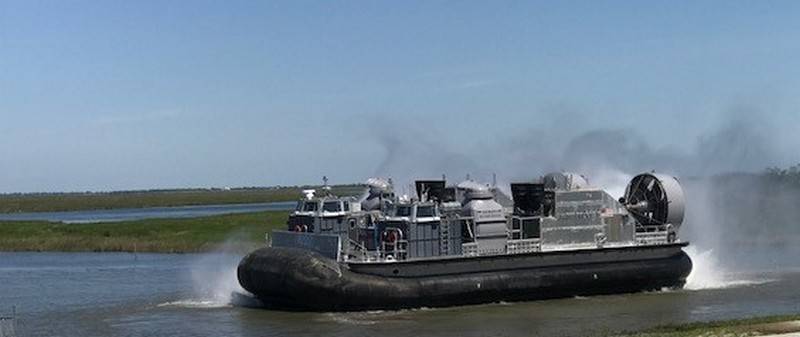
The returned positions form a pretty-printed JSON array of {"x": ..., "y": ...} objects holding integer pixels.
[
  {"x": 127, "y": 214},
  {"x": 124, "y": 294}
]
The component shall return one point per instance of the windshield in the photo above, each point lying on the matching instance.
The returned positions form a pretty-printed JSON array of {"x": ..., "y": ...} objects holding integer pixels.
[
  {"x": 424, "y": 211},
  {"x": 310, "y": 206},
  {"x": 331, "y": 206},
  {"x": 403, "y": 211}
]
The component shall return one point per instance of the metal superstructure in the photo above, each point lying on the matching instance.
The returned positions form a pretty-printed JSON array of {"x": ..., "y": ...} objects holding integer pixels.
[
  {"x": 558, "y": 212},
  {"x": 467, "y": 244}
]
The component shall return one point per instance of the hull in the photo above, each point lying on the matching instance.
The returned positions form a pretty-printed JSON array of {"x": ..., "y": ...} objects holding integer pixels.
[{"x": 297, "y": 279}]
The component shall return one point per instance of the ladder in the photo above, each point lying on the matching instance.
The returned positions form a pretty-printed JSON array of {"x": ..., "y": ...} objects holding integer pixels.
[{"x": 444, "y": 237}]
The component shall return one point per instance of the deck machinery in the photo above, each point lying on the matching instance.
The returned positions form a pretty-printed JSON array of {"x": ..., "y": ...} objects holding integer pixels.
[{"x": 458, "y": 244}]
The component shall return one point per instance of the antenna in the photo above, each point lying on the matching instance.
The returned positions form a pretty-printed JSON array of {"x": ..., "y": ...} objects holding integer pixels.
[
  {"x": 325, "y": 186},
  {"x": 494, "y": 179}
]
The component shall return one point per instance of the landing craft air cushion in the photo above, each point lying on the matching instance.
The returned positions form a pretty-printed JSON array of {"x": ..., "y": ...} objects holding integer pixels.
[{"x": 467, "y": 244}]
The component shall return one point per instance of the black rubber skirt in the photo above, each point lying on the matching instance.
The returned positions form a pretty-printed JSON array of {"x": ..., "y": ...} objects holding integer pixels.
[{"x": 295, "y": 279}]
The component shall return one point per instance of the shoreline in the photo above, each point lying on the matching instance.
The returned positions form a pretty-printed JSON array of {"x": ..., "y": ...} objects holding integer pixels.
[{"x": 11, "y": 203}]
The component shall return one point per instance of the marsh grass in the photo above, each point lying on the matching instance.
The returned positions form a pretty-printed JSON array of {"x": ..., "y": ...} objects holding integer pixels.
[
  {"x": 245, "y": 231},
  {"x": 754, "y": 326}
]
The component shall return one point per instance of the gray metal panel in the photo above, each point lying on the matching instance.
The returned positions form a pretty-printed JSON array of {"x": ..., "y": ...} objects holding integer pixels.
[
  {"x": 675, "y": 196},
  {"x": 324, "y": 244},
  {"x": 454, "y": 227},
  {"x": 428, "y": 247},
  {"x": 495, "y": 229},
  {"x": 418, "y": 248},
  {"x": 571, "y": 236},
  {"x": 530, "y": 228},
  {"x": 571, "y": 230},
  {"x": 455, "y": 246},
  {"x": 618, "y": 229},
  {"x": 584, "y": 195},
  {"x": 455, "y": 230}
]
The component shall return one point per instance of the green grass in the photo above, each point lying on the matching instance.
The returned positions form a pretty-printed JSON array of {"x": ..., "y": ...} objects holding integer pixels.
[
  {"x": 242, "y": 231},
  {"x": 54, "y": 202},
  {"x": 741, "y": 327}
]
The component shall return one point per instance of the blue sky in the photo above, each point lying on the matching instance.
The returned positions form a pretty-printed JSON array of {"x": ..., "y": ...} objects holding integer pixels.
[{"x": 106, "y": 95}]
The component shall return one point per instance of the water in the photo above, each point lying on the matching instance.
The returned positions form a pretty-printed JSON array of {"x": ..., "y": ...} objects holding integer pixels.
[
  {"x": 123, "y": 294},
  {"x": 126, "y": 214}
]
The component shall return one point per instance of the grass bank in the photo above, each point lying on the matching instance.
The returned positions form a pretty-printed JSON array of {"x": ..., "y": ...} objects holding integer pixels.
[
  {"x": 755, "y": 326},
  {"x": 244, "y": 231},
  {"x": 56, "y": 202}
]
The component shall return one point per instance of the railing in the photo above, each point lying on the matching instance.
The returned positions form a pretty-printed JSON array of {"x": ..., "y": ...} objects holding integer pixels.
[
  {"x": 469, "y": 249},
  {"x": 356, "y": 248},
  {"x": 523, "y": 246},
  {"x": 651, "y": 238},
  {"x": 399, "y": 250}
]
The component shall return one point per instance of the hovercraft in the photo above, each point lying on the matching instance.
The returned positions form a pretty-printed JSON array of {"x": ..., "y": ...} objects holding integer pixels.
[{"x": 470, "y": 244}]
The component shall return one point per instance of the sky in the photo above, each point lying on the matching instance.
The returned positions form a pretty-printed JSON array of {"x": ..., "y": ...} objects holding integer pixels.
[{"x": 112, "y": 95}]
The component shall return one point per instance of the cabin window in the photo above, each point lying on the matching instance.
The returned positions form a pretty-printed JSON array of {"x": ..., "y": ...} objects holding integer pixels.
[
  {"x": 403, "y": 211},
  {"x": 310, "y": 207},
  {"x": 346, "y": 206},
  {"x": 425, "y": 211},
  {"x": 299, "y": 206},
  {"x": 331, "y": 206}
]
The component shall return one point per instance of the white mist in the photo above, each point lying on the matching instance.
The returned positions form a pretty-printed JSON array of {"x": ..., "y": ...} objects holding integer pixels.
[{"x": 214, "y": 279}]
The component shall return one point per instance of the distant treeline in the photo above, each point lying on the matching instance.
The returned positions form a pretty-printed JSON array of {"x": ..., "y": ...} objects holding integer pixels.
[
  {"x": 74, "y": 201},
  {"x": 786, "y": 177},
  {"x": 772, "y": 176}
]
